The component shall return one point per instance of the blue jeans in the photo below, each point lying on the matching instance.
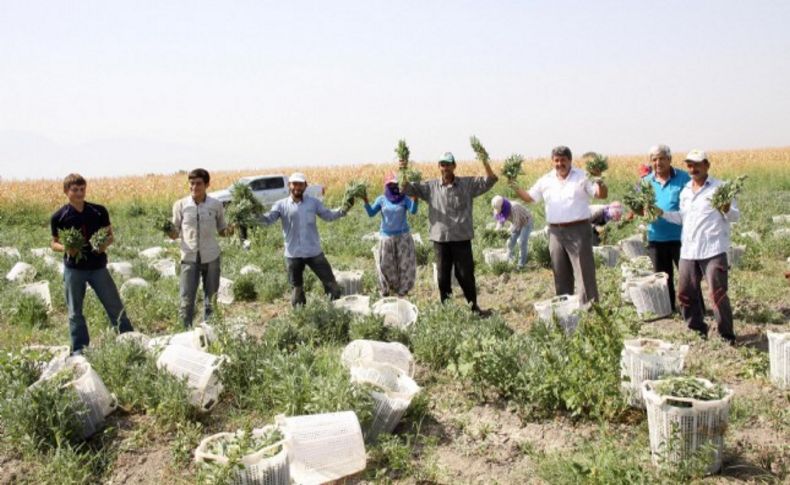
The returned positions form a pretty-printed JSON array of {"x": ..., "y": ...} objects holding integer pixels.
[
  {"x": 75, "y": 282},
  {"x": 191, "y": 274},
  {"x": 523, "y": 238}
]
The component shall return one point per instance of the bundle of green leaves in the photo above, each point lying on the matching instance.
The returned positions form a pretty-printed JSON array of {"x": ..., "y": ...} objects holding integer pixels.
[
  {"x": 512, "y": 167},
  {"x": 689, "y": 387},
  {"x": 480, "y": 151},
  {"x": 402, "y": 150},
  {"x": 354, "y": 189},
  {"x": 244, "y": 209},
  {"x": 100, "y": 238},
  {"x": 596, "y": 164},
  {"x": 72, "y": 240},
  {"x": 642, "y": 200},
  {"x": 726, "y": 192}
]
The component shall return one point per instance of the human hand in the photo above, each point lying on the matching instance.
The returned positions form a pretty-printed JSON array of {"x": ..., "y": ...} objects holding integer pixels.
[
  {"x": 725, "y": 208},
  {"x": 72, "y": 252}
]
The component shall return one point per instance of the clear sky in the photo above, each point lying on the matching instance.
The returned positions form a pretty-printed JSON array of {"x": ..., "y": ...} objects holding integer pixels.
[{"x": 106, "y": 87}]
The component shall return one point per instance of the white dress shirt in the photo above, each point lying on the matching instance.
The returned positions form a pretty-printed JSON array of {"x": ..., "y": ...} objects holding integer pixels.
[
  {"x": 706, "y": 231},
  {"x": 566, "y": 200}
]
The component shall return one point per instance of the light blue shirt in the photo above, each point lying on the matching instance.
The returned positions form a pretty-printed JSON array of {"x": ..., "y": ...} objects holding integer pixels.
[
  {"x": 667, "y": 199},
  {"x": 299, "y": 224},
  {"x": 393, "y": 216},
  {"x": 706, "y": 231}
]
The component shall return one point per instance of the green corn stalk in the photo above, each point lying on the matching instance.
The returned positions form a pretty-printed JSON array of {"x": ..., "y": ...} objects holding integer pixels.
[
  {"x": 100, "y": 238},
  {"x": 512, "y": 167},
  {"x": 480, "y": 151},
  {"x": 402, "y": 150},
  {"x": 72, "y": 239},
  {"x": 244, "y": 209},
  {"x": 689, "y": 387},
  {"x": 726, "y": 192}
]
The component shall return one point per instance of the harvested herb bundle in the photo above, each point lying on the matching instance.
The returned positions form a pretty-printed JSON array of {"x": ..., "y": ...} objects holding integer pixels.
[
  {"x": 402, "y": 150},
  {"x": 642, "y": 200},
  {"x": 726, "y": 192},
  {"x": 689, "y": 387},
  {"x": 354, "y": 189},
  {"x": 72, "y": 240},
  {"x": 480, "y": 152},
  {"x": 596, "y": 164},
  {"x": 244, "y": 208},
  {"x": 100, "y": 238},
  {"x": 512, "y": 167}
]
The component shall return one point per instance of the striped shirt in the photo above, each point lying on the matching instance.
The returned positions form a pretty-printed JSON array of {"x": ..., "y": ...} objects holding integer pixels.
[{"x": 519, "y": 216}]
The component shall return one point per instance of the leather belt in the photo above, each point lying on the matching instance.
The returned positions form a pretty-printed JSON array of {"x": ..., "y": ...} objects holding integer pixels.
[{"x": 572, "y": 223}]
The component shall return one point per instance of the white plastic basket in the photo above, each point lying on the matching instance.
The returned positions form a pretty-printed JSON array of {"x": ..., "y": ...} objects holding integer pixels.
[
  {"x": 648, "y": 359},
  {"x": 735, "y": 254},
  {"x": 99, "y": 402},
  {"x": 225, "y": 292},
  {"x": 350, "y": 282},
  {"x": 166, "y": 267},
  {"x": 679, "y": 427},
  {"x": 323, "y": 447},
  {"x": 454, "y": 284},
  {"x": 153, "y": 253},
  {"x": 609, "y": 254},
  {"x": 10, "y": 252},
  {"x": 781, "y": 219},
  {"x": 250, "y": 269},
  {"x": 566, "y": 308},
  {"x": 256, "y": 469},
  {"x": 21, "y": 272},
  {"x": 397, "y": 312},
  {"x": 41, "y": 252},
  {"x": 354, "y": 303},
  {"x": 200, "y": 370},
  {"x": 782, "y": 232},
  {"x": 122, "y": 268},
  {"x": 195, "y": 339},
  {"x": 633, "y": 247},
  {"x": 650, "y": 295},
  {"x": 395, "y": 354},
  {"x": 139, "y": 338},
  {"x": 394, "y": 393},
  {"x": 40, "y": 290},
  {"x": 133, "y": 283},
  {"x": 492, "y": 256},
  {"x": 779, "y": 355},
  {"x": 59, "y": 355}
]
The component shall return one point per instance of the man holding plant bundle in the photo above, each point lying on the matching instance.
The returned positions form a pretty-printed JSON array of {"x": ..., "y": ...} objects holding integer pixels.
[
  {"x": 705, "y": 238},
  {"x": 396, "y": 254},
  {"x": 449, "y": 200},
  {"x": 302, "y": 244},
  {"x": 197, "y": 219},
  {"x": 567, "y": 191},
  {"x": 663, "y": 237},
  {"x": 75, "y": 228}
]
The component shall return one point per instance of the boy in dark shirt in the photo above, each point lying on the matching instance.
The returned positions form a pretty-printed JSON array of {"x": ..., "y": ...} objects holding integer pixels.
[{"x": 91, "y": 267}]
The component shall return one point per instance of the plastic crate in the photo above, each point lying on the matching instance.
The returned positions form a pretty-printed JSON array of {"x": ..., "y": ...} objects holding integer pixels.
[
  {"x": 393, "y": 396},
  {"x": 40, "y": 290},
  {"x": 155, "y": 252},
  {"x": 565, "y": 308},
  {"x": 225, "y": 292},
  {"x": 609, "y": 254},
  {"x": 395, "y": 354},
  {"x": 350, "y": 282},
  {"x": 21, "y": 272},
  {"x": 633, "y": 247},
  {"x": 397, "y": 312},
  {"x": 255, "y": 469},
  {"x": 650, "y": 295},
  {"x": 121, "y": 268},
  {"x": 648, "y": 359},
  {"x": 354, "y": 303},
  {"x": 679, "y": 427},
  {"x": 781, "y": 219},
  {"x": 323, "y": 447},
  {"x": 493, "y": 256},
  {"x": 200, "y": 370},
  {"x": 138, "y": 338},
  {"x": 779, "y": 355}
]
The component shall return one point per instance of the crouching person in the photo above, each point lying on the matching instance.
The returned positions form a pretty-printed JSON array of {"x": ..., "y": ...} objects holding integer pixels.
[
  {"x": 197, "y": 219},
  {"x": 87, "y": 265},
  {"x": 298, "y": 213}
]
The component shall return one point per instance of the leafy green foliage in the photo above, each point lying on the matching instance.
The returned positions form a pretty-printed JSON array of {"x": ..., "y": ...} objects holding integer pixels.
[
  {"x": 402, "y": 150},
  {"x": 355, "y": 189},
  {"x": 100, "y": 238},
  {"x": 726, "y": 192},
  {"x": 23, "y": 310},
  {"x": 244, "y": 209},
  {"x": 642, "y": 200},
  {"x": 72, "y": 240},
  {"x": 539, "y": 251},
  {"x": 512, "y": 166},
  {"x": 244, "y": 288},
  {"x": 596, "y": 164},
  {"x": 689, "y": 387},
  {"x": 480, "y": 151}
]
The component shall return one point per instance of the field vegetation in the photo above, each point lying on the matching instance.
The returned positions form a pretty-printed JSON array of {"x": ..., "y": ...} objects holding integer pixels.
[{"x": 504, "y": 400}]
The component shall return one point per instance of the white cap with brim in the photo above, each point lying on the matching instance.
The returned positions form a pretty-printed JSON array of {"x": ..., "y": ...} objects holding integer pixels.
[
  {"x": 497, "y": 202},
  {"x": 696, "y": 156},
  {"x": 297, "y": 177}
]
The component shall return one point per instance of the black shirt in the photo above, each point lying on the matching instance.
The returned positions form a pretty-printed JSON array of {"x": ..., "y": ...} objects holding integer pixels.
[{"x": 92, "y": 218}]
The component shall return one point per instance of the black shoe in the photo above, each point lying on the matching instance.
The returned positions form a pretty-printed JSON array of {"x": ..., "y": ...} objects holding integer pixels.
[{"x": 481, "y": 313}]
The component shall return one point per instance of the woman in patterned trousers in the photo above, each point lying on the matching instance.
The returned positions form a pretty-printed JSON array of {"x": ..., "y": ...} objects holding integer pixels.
[{"x": 397, "y": 261}]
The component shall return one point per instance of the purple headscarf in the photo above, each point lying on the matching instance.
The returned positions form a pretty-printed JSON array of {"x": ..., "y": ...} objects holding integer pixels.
[
  {"x": 505, "y": 212},
  {"x": 393, "y": 194}
]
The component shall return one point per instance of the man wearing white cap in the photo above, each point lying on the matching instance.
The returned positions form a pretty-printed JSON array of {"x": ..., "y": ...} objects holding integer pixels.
[
  {"x": 705, "y": 238},
  {"x": 449, "y": 201},
  {"x": 521, "y": 226},
  {"x": 566, "y": 192},
  {"x": 298, "y": 213}
]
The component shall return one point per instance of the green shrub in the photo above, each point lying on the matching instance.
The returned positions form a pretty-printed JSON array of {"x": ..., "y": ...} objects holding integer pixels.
[
  {"x": 244, "y": 288},
  {"x": 423, "y": 253},
  {"x": 370, "y": 327},
  {"x": 539, "y": 251},
  {"x": 24, "y": 310}
]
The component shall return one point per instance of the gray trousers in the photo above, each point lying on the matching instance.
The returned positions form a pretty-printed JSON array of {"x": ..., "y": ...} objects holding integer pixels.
[
  {"x": 572, "y": 261},
  {"x": 690, "y": 295},
  {"x": 191, "y": 275}
]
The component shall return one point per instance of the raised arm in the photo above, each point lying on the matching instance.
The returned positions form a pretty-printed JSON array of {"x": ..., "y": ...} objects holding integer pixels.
[
  {"x": 521, "y": 193},
  {"x": 374, "y": 209}
]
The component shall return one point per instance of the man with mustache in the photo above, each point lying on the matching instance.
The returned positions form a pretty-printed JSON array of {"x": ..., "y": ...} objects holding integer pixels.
[
  {"x": 705, "y": 237},
  {"x": 566, "y": 192},
  {"x": 297, "y": 213}
]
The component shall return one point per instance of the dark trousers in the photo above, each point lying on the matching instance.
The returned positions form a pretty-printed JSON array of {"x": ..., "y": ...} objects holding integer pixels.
[
  {"x": 690, "y": 297},
  {"x": 321, "y": 267},
  {"x": 458, "y": 255},
  {"x": 665, "y": 256}
]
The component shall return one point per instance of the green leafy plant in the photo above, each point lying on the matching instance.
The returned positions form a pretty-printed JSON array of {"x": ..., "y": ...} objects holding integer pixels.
[
  {"x": 244, "y": 288},
  {"x": 642, "y": 200},
  {"x": 689, "y": 387},
  {"x": 596, "y": 164},
  {"x": 512, "y": 167},
  {"x": 402, "y": 150},
  {"x": 72, "y": 240},
  {"x": 354, "y": 189},
  {"x": 726, "y": 192},
  {"x": 100, "y": 238},
  {"x": 244, "y": 208},
  {"x": 480, "y": 152}
]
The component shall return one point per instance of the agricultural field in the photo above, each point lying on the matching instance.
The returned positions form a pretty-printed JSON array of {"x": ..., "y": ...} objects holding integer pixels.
[{"x": 504, "y": 400}]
